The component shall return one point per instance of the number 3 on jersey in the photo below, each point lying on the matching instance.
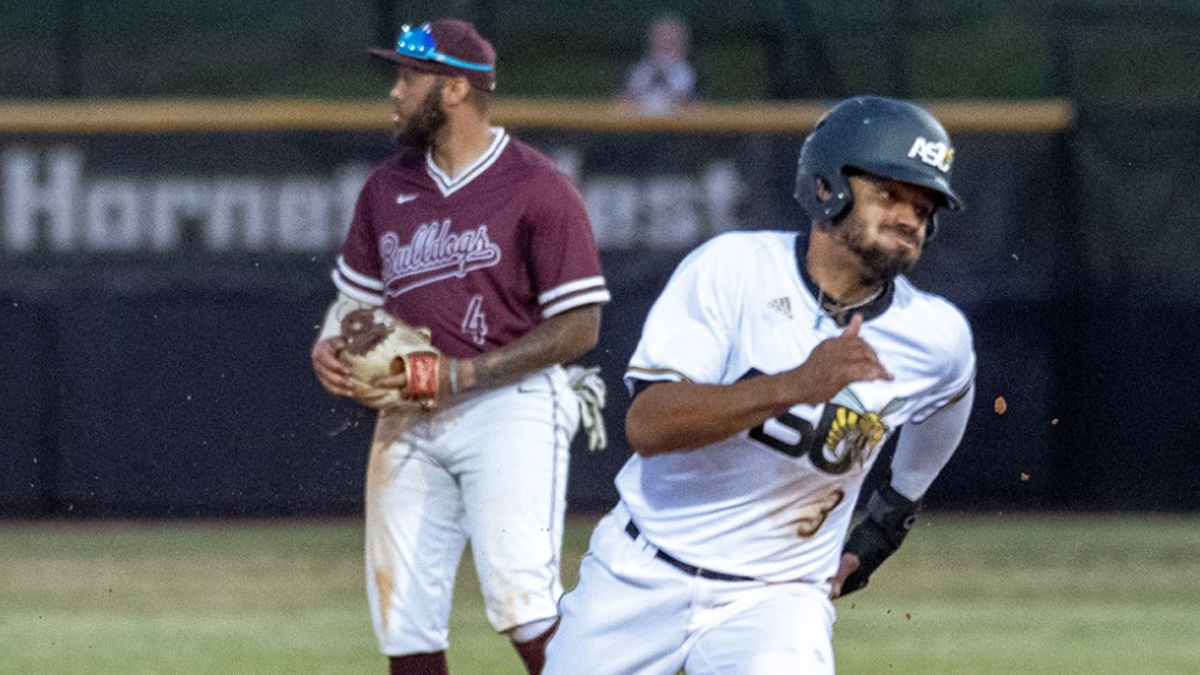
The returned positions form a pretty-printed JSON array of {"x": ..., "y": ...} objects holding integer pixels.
[{"x": 474, "y": 322}]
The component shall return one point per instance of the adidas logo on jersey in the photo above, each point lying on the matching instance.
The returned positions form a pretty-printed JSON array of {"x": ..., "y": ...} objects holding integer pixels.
[{"x": 782, "y": 305}]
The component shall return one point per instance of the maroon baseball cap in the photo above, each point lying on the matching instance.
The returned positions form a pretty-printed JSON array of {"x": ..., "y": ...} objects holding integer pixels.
[{"x": 450, "y": 47}]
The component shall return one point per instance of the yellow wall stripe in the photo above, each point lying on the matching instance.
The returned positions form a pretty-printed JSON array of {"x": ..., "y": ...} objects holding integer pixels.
[{"x": 169, "y": 115}]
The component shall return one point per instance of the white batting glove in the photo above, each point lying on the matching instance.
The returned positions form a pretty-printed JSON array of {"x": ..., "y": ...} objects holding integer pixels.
[{"x": 592, "y": 392}]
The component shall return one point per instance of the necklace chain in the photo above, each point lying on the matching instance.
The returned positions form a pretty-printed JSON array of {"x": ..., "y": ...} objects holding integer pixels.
[{"x": 838, "y": 310}]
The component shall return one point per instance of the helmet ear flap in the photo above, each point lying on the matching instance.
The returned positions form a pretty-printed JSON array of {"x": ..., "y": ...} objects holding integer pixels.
[{"x": 826, "y": 198}]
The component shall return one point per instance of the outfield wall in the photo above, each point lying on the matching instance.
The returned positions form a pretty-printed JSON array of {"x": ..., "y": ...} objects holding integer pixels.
[{"x": 164, "y": 266}]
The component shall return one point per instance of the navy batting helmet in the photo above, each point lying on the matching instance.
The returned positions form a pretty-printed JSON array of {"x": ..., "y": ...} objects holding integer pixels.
[{"x": 881, "y": 136}]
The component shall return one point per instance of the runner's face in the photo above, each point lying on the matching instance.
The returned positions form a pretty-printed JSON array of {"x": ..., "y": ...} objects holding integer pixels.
[{"x": 887, "y": 226}]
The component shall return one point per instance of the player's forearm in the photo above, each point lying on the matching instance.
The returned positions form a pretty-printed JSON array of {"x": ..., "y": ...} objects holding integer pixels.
[
  {"x": 674, "y": 416},
  {"x": 559, "y": 339},
  {"x": 925, "y": 448}
]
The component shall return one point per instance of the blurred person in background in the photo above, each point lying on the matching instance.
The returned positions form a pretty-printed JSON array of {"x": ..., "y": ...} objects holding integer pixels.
[{"x": 663, "y": 80}]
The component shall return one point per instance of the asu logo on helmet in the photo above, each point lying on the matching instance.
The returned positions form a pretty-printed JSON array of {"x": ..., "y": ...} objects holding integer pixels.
[{"x": 934, "y": 153}]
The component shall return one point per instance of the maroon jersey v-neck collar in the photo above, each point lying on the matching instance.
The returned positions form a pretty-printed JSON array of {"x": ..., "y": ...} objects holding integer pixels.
[{"x": 448, "y": 184}]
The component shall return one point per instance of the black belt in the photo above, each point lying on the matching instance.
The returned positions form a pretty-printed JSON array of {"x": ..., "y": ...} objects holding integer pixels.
[{"x": 633, "y": 532}]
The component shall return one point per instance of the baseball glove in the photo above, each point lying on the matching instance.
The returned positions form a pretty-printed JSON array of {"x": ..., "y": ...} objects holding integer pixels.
[{"x": 378, "y": 346}]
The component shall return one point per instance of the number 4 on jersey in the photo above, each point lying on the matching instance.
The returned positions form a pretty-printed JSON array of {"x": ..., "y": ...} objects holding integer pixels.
[{"x": 474, "y": 322}]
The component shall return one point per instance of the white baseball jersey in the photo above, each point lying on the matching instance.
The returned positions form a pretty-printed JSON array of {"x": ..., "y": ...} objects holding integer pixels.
[{"x": 774, "y": 503}]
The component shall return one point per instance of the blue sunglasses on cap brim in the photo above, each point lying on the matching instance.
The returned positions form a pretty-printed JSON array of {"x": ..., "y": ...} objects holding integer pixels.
[{"x": 418, "y": 43}]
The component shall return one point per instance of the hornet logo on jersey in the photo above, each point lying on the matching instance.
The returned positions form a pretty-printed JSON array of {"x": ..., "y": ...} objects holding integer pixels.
[
  {"x": 938, "y": 155},
  {"x": 856, "y": 432}
]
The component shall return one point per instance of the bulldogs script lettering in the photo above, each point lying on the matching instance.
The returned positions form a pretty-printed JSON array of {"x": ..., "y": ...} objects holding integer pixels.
[{"x": 435, "y": 253}]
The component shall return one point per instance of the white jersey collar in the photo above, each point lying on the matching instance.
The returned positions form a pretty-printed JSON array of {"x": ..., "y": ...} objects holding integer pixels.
[{"x": 448, "y": 184}]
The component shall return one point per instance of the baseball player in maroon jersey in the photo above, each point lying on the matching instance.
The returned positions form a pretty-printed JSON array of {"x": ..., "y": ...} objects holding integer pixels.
[{"x": 477, "y": 236}]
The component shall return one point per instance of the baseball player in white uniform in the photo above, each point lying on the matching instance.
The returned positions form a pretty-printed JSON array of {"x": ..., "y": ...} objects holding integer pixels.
[
  {"x": 475, "y": 235},
  {"x": 770, "y": 372}
]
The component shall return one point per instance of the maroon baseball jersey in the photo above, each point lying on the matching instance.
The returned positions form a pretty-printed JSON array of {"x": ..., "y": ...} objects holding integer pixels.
[{"x": 480, "y": 258}]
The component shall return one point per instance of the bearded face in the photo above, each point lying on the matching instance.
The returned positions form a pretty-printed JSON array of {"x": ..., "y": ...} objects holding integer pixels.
[
  {"x": 887, "y": 226},
  {"x": 421, "y": 125},
  {"x": 879, "y": 262}
]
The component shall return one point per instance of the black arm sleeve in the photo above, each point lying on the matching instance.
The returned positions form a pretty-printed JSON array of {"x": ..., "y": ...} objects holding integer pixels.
[{"x": 890, "y": 516}]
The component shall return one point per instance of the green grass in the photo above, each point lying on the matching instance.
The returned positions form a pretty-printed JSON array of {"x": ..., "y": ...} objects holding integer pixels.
[
  {"x": 1027, "y": 595},
  {"x": 967, "y": 595}
]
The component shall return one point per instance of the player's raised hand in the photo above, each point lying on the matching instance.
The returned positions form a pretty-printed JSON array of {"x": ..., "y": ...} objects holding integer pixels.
[
  {"x": 853, "y": 327},
  {"x": 332, "y": 373},
  {"x": 835, "y": 363}
]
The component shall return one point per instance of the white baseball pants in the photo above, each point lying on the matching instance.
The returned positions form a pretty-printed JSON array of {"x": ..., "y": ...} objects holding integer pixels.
[
  {"x": 492, "y": 469},
  {"x": 634, "y": 614}
]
